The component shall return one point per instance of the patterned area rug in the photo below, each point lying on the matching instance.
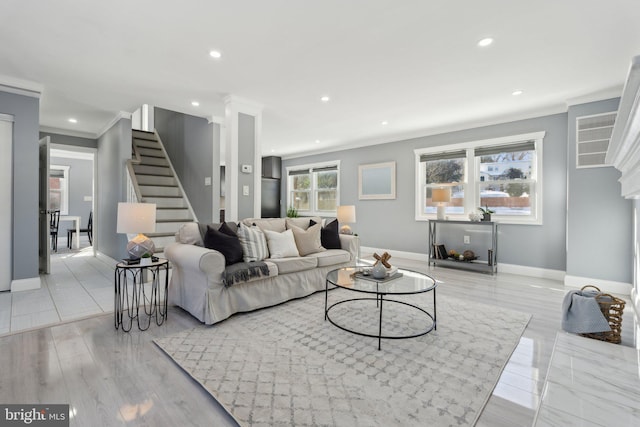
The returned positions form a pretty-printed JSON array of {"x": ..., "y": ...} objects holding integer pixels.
[{"x": 285, "y": 365}]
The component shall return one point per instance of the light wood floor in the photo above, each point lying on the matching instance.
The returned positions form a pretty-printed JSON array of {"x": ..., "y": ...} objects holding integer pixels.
[{"x": 114, "y": 378}]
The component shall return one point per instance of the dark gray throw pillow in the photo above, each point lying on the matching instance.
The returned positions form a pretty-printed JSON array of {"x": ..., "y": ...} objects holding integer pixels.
[
  {"x": 329, "y": 235},
  {"x": 227, "y": 245}
]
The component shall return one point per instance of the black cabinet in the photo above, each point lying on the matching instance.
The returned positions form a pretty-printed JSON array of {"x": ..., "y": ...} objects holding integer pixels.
[{"x": 272, "y": 167}]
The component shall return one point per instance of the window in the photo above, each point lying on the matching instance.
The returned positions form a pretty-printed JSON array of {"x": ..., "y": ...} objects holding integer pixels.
[
  {"x": 313, "y": 189},
  {"x": 59, "y": 188},
  {"x": 503, "y": 174}
]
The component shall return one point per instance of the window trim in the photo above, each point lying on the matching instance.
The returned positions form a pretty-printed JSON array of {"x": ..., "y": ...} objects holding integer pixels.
[
  {"x": 314, "y": 189},
  {"x": 472, "y": 181}
]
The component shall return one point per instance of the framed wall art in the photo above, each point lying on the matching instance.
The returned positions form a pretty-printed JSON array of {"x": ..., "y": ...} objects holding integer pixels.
[{"x": 377, "y": 181}]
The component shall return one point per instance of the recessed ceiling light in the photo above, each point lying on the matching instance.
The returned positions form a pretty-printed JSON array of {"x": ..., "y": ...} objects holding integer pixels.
[
  {"x": 384, "y": 123},
  {"x": 273, "y": 150},
  {"x": 195, "y": 103},
  {"x": 215, "y": 54},
  {"x": 325, "y": 99},
  {"x": 317, "y": 141},
  {"x": 516, "y": 92},
  {"x": 485, "y": 42},
  {"x": 72, "y": 120}
]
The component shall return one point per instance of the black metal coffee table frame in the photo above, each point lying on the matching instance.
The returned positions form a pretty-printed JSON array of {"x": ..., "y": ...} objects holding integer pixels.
[{"x": 380, "y": 293}]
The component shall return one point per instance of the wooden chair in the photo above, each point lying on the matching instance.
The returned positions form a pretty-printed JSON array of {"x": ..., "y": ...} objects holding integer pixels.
[
  {"x": 54, "y": 223},
  {"x": 88, "y": 230}
]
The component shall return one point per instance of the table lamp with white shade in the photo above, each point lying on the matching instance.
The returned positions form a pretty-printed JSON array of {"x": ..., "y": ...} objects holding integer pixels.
[
  {"x": 441, "y": 196},
  {"x": 346, "y": 214},
  {"x": 137, "y": 218}
]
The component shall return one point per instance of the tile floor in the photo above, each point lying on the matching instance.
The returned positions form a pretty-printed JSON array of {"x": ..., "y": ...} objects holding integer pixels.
[{"x": 80, "y": 285}]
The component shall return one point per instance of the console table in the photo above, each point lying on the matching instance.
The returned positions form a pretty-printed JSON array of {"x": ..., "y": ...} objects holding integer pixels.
[{"x": 487, "y": 262}]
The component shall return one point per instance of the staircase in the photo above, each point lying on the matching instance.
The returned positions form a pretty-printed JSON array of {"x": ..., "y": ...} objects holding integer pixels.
[{"x": 153, "y": 180}]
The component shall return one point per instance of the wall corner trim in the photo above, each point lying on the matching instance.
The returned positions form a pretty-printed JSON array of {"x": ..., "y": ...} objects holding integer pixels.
[
  {"x": 113, "y": 121},
  {"x": 26, "y": 284}
]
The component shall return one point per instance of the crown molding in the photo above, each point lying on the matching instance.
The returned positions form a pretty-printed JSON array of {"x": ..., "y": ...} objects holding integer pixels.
[
  {"x": 68, "y": 132},
  {"x": 20, "y": 87}
]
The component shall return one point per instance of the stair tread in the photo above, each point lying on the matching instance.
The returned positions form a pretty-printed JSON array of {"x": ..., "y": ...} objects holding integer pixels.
[
  {"x": 167, "y": 234},
  {"x": 158, "y": 185},
  {"x": 167, "y": 221},
  {"x": 153, "y": 196},
  {"x": 169, "y": 207}
]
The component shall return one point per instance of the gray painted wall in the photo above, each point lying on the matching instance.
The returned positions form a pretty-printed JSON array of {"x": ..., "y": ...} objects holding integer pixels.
[
  {"x": 391, "y": 224},
  {"x": 25, "y": 111},
  {"x": 599, "y": 219},
  {"x": 114, "y": 148},
  {"x": 76, "y": 141},
  {"x": 190, "y": 142},
  {"x": 80, "y": 185},
  {"x": 246, "y": 156}
]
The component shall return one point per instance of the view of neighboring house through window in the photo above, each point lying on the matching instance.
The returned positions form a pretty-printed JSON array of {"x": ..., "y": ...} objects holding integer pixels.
[
  {"x": 313, "y": 189},
  {"x": 503, "y": 174},
  {"x": 59, "y": 188}
]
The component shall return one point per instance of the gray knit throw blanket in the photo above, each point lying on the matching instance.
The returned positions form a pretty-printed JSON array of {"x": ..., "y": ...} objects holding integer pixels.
[{"x": 243, "y": 272}]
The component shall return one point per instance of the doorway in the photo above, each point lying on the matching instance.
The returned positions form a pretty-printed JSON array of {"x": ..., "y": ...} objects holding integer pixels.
[{"x": 71, "y": 182}]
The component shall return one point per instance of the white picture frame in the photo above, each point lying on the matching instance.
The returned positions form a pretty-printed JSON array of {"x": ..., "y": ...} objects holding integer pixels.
[{"x": 377, "y": 181}]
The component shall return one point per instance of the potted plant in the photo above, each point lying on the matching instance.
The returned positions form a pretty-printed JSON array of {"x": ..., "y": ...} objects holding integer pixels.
[
  {"x": 292, "y": 212},
  {"x": 486, "y": 213},
  {"x": 145, "y": 259}
]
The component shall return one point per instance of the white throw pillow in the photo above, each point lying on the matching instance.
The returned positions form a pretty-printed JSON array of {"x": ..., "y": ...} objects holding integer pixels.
[
  {"x": 254, "y": 244},
  {"x": 281, "y": 245}
]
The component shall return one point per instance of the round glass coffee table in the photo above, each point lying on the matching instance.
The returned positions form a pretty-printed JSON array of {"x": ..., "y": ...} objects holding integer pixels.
[{"x": 404, "y": 282}]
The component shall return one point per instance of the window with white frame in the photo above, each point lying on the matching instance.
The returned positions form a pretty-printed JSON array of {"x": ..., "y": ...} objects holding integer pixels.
[
  {"x": 502, "y": 174},
  {"x": 59, "y": 188},
  {"x": 314, "y": 189}
]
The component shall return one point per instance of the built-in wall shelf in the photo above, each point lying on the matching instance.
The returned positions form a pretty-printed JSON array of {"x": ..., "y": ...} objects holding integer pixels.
[{"x": 487, "y": 262}]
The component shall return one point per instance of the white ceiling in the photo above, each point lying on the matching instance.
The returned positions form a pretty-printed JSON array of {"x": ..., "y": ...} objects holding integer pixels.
[{"x": 413, "y": 63}]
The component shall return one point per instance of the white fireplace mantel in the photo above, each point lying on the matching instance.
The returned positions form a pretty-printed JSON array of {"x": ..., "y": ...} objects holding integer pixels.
[{"x": 624, "y": 147}]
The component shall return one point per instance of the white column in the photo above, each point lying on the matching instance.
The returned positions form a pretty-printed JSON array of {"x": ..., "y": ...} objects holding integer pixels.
[
  {"x": 235, "y": 106},
  {"x": 6, "y": 184}
]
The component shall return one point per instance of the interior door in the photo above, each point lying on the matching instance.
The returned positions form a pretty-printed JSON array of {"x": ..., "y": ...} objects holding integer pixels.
[
  {"x": 6, "y": 200},
  {"x": 44, "y": 248}
]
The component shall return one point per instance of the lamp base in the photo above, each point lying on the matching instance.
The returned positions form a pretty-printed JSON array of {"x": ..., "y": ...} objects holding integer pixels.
[
  {"x": 140, "y": 245},
  {"x": 345, "y": 229},
  {"x": 440, "y": 211}
]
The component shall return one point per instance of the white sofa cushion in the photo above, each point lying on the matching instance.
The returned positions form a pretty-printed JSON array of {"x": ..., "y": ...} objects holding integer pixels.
[
  {"x": 292, "y": 265},
  {"x": 273, "y": 224},
  {"x": 302, "y": 222},
  {"x": 189, "y": 234},
  {"x": 331, "y": 257},
  {"x": 281, "y": 245}
]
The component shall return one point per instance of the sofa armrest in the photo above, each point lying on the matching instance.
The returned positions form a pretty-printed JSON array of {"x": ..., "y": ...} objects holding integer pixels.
[
  {"x": 195, "y": 258},
  {"x": 351, "y": 244}
]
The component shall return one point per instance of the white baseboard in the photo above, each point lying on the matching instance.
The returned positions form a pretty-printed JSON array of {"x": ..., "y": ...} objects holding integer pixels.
[
  {"x": 609, "y": 286},
  {"x": 502, "y": 268},
  {"x": 523, "y": 270},
  {"x": 413, "y": 256},
  {"x": 26, "y": 284}
]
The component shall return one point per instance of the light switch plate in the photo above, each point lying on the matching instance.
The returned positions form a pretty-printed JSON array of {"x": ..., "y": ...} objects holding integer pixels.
[
  {"x": 207, "y": 180},
  {"x": 88, "y": 198},
  {"x": 245, "y": 190}
]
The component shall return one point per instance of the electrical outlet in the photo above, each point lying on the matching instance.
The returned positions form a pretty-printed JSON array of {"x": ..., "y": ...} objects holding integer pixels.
[{"x": 467, "y": 240}]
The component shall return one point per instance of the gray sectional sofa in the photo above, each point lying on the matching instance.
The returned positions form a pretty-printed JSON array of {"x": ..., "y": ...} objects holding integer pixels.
[{"x": 197, "y": 279}]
